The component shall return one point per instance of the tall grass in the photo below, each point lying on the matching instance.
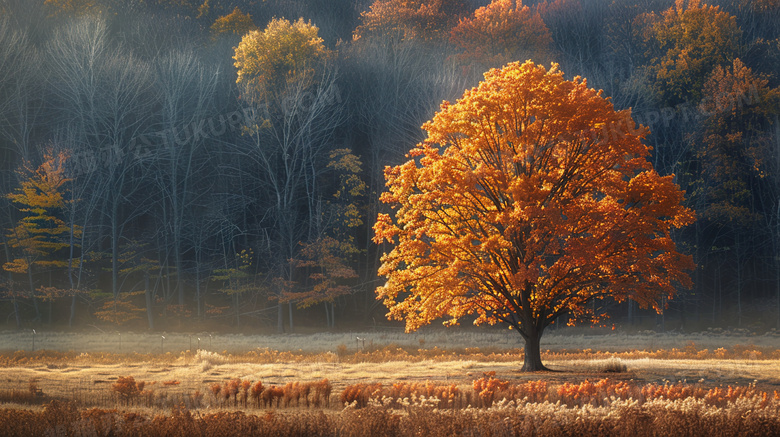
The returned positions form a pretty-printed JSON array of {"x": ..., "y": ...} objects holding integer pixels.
[
  {"x": 489, "y": 391},
  {"x": 616, "y": 417}
]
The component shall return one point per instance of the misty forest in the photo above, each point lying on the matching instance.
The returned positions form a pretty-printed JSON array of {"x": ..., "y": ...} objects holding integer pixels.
[{"x": 216, "y": 164}]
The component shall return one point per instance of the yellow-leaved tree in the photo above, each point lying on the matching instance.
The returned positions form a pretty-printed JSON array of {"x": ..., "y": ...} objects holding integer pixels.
[
  {"x": 235, "y": 23},
  {"x": 40, "y": 237},
  {"x": 285, "y": 52},
  {"x": 685, "y": 43},
  {"x": 530, "y": 198},
  {"x": 284, "y": 73}
]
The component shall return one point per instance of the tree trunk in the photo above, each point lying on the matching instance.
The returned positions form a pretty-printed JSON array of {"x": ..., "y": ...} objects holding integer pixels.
[
  {"x": 238, "y": 309},
  {"x": 72, "y": 309},
  {"x": 327, "y": 316},
  {"x": 16, "y": 313},
  {"x": 115, "y": 249},
  {"x": 13, "y": 292},
  {"x": 739, "y": 281},
  {"x": 279, "y": 318},
  {"x": 32, "y": 292},
  {"x": 197, "y": 283},
  {"x": 72, "y": 242},
  {"x": 290, "y": 307},
  {"x": 777, "y": 289},
  {"x": 663, "y": 313},
  {"x": 532, "y": 361},
  {"x": 148, "y": 296}
]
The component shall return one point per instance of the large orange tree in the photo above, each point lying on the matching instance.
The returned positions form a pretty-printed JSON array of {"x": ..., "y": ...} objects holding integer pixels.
[{"x": 530, "y": 197}]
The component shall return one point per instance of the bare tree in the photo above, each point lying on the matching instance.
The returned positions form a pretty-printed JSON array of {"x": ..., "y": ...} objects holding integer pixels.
[
  {"x": 20, "y": 105},
  {"x": 103, "y": 95},
  {"x": 185, "y": 89},
  {"x": 288, "y": 138}
]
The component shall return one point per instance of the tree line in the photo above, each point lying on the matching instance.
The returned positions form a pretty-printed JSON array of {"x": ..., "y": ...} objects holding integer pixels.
[{"x": 221, "y": 162}]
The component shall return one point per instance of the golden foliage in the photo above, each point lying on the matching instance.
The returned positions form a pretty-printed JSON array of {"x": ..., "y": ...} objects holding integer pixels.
[
  {"x": 236, "y": 23},
  {"x": 530, "y": 197},
  {"x": 119, "y": 311},
  {"x": 685, "y": 43},
  {"x": 282, "y": 53},
  {"x": 236, "y": 279},
  {"x": 41, "y": 232}
]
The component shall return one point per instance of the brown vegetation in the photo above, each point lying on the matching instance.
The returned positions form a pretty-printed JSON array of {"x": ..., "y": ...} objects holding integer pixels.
[
  {"x": 616, "y": 417},
  {"x": 479, "y": 401}
]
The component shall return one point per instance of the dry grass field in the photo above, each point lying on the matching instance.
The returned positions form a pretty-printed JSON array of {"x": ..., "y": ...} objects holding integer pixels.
[{"x": 443, "y": 382}]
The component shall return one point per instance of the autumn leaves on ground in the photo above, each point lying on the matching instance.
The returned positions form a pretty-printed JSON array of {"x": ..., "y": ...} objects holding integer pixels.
[{"x": 642, "y": 384}]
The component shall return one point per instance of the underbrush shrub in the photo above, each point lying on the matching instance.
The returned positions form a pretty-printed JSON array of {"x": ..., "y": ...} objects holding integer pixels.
[
  {"x": 127, "y": 389},
  {"x": 271, "y": 394},
  {"x": 588, "y": 392},
  {"x": 359, "y": 394},
  {"x": 97, "y": 421},
  {"x": 237, "y": 392},
  {"x": 57, "y": 414},
  {"x": 488, "y": 388},
  {"x": 613, "y": 365},
  {"x": 207, "y": 359},
  {"x": 322, "y": 391},
  {"x": 256, "y": 393}
]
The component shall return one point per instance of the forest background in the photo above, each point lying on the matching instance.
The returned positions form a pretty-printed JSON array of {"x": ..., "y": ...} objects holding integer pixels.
[{"x": 144, "y": 187}]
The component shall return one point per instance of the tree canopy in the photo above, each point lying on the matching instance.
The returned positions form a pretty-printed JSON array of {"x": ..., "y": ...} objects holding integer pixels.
[
  {"x": 530, "y": 197},
  {"x": 41, "y": 233},
  {"x": 501, "y": 32},
  {"x": 236, "y": 23},
  {"x": 283, "y": 52},
  {"x": 410, "y": 19},
  {"x": 686, "y": 42}
]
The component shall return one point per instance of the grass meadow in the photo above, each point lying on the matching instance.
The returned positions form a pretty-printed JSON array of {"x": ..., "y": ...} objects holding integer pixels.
[{"x": 451, "y": 382}]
